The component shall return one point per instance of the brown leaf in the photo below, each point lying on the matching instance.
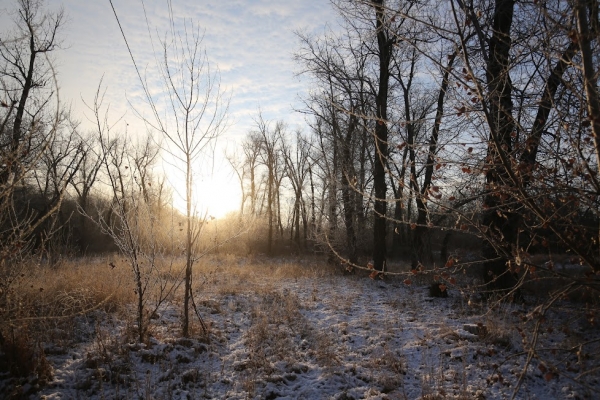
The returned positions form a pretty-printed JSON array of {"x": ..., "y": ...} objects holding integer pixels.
[{"x": 542, "y": 368}]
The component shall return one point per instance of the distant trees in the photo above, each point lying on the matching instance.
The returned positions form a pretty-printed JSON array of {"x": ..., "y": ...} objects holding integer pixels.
[
  {"x": 274, "y": 166},
  {"x": 297, "y": 157},
  {"x": 340, "y": 109},
  {"x": 268, "y": 140}
]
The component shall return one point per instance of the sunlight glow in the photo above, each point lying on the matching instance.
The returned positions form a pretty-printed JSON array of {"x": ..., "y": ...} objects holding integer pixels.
[{"x": 215, "y": 196}]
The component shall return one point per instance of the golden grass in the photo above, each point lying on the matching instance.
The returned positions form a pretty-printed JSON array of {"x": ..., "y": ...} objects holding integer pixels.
[
  {"x": 80, "y": 285},
  {"x": 43, "y": 306},
  {"x": 73, "y": 287},
  {"x": 227, "y": 274}
]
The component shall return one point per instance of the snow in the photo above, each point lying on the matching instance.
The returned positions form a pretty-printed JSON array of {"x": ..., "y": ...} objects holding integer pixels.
[{"x": 332, "y": 337}]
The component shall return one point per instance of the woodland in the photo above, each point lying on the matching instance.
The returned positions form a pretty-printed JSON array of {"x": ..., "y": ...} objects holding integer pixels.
[{"x": 451, "y": 155}]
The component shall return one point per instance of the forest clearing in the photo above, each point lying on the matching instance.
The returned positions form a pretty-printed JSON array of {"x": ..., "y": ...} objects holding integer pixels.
[
  {"x": 319, "y": 199},
  {"x": 298, "y": 329}
]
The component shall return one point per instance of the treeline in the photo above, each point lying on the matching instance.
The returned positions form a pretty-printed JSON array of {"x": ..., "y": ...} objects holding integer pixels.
[
  {"x": 429, "y": 119},
  {"x": 425, "y": 120}
]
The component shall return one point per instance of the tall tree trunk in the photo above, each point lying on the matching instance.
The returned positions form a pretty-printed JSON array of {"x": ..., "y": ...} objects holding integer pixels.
[
  {"x": 348, "y": 190},
  {"x": 188, "y": 249},
  {"x": 399, "y": 227},
  {"x": 359, "y": 195},
  {"x": 381, "y": 140},
  {"x": 278, "y": 197},
  {"x": 313, "y": 214},
  {"x": 332, "y": 204},
  {"x": 501, "y": 223},
  {"x": 304, "y": 225},
  {"x": 252, "y": 191},
  {"x": 270, "y": 209},
  {"x": 589, "y": 72},
  {"x": 297, "y": 218},
  {"x": 421, "y": 233}
]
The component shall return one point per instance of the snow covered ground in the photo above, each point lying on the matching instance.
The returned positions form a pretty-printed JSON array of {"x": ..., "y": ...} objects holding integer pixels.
[{"x": 328, "y": 337}]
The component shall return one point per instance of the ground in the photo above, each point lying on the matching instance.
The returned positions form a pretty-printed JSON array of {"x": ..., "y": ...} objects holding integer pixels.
[{"x": 297, "y": 332}]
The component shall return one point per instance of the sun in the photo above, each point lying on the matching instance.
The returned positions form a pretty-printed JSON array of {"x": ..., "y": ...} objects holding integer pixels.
[
  {"x": 214, "y": 195},
  {"x": 218, "y": 195}
]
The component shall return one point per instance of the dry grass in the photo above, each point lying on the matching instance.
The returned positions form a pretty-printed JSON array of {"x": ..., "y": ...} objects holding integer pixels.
[
  {"x": 228, "y": 274},
  {"x": 45, "y": 308},
  {"x": 77, "y": 286},
  {"x": 72, "y": 288},
  {"x": 251, "y": 303}
]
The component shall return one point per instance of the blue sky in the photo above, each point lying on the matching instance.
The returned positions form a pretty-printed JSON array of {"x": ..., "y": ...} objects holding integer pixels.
[{"x": 252, "y": 43}]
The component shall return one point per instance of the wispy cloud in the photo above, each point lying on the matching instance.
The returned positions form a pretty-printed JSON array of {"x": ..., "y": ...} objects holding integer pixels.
[{"x": 251, "y": 42}]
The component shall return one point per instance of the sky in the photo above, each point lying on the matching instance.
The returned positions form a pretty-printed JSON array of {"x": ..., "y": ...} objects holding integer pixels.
[{"x": 251, "y": 42}]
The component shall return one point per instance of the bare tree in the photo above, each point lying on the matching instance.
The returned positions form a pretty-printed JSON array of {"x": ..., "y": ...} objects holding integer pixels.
[
  {"x": 197, "y": 116},
  {"x": 131, "y": 220},
  {"x": 297, "y": 162},
  {"x": 251, "y": 149},
  {"x": 26, "y": 73},
  {"x": 385, "y": 45},
  {"x": 28, "y": 125},
  {"x": 56, "y": 169},
  {"x": 341, "y": 113},
  {"x": 84, "y": 181},
  {"x": 270, "y": 158}
]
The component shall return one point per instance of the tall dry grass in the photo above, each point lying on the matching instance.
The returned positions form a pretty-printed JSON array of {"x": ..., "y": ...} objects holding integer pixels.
[
  {"x": 232, "y": 274},
  {"x": 72, "y": 288},
  {"x": 47, "y": 307}
]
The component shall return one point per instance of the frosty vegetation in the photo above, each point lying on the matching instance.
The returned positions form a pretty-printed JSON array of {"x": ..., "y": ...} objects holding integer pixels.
[{"x": 432, "y": 233}]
